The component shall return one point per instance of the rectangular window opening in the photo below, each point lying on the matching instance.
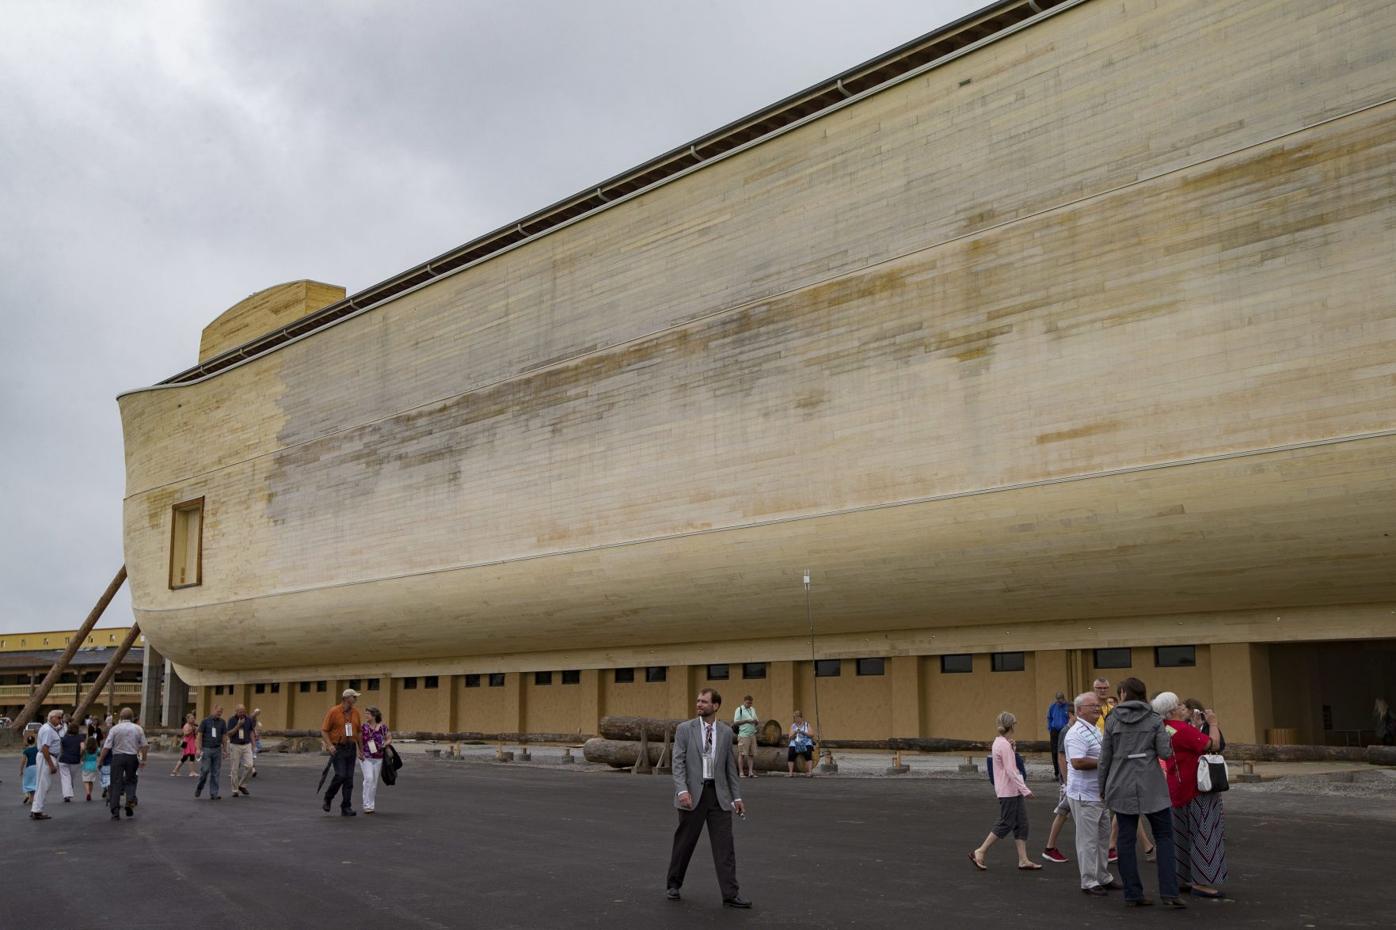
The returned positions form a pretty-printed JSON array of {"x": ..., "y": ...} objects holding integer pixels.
[
  {"x": 496, "y": 679},
  {"x": 956, "y": 663},
  {"x": 872, "y": 666},
  {"x": 572, "y": 677},
  {"x": 542, "y": 678},
  {"x": 624, "y": 676},
  {"x": 1113, "y": 658},
  {"x": 372, "y": 685},
  {"x": 718, "y": 672},
  {"x": 1175, "y": 656},
  {"x": 431, "y": 681},
  {"x": 304, "y": 687},
  {"x": 187, "y": 544},
  {"x": 1008, "y": 661},
  {"x": 472, "y": 681},
  {"x": 409, "y": 684},
  {"x": 753, "y": 670},
  {"x": 828, "y": 668},
  {"x": 657, "y": 673}
]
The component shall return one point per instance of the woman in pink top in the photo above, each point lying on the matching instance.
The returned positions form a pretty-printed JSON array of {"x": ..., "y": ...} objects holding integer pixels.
[
  {"x": 188, "y": 746},
  {"x": 1011, "y": 790}
]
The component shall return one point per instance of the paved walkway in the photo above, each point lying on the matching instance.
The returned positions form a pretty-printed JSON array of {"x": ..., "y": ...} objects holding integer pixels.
[{"x": 461, "y": 844}]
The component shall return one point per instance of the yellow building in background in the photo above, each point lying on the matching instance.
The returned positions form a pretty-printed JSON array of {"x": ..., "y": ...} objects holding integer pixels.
[
  {"x": 25, "y": 658},
  {"x": 1055, "y": 343}
]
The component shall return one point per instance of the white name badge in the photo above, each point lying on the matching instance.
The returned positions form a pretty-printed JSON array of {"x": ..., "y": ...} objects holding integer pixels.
[
  {"x": 213, "y": 732},
  {"x": 348, "y": 730},
  {"x": 372, "y": 746}
]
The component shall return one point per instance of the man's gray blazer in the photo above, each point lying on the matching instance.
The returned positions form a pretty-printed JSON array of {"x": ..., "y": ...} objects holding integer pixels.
[{"x": 688, "y": 763}]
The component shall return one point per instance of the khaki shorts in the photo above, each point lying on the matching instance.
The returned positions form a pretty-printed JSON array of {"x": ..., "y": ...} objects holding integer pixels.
[{"x": 746, "y": 746}]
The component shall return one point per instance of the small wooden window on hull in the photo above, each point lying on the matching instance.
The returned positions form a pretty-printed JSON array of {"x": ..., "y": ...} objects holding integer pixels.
[{"x": 187, "y": 544}]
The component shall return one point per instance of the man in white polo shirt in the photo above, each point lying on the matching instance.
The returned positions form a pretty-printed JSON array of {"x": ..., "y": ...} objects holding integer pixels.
[
  {"x": 1082, "y": 748},
  {"x": 50, "y": 743}
]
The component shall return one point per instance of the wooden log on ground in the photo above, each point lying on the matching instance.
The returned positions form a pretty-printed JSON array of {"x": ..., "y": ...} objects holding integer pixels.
[
  {"x": 623, "y": 753},
  {"x": 630, "y": 728}
]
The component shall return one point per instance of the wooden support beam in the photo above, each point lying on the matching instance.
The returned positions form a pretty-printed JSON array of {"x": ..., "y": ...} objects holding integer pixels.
[
  {"x": 107, "y": 672},
  {"x": 38, "y": 697}
]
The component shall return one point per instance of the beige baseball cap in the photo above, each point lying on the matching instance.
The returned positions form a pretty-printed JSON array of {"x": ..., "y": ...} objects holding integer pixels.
[{"x": 349, "y": 692}]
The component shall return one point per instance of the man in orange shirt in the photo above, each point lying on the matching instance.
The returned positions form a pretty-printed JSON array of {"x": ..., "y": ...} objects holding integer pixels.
[{"x": 342, "y": 734}]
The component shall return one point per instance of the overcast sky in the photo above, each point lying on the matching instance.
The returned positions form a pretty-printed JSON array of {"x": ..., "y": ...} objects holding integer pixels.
[{"x": 161, "y": 161}]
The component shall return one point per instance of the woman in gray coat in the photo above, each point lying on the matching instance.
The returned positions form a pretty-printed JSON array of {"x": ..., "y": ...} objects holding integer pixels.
[{"x": 1133, "y": 785}]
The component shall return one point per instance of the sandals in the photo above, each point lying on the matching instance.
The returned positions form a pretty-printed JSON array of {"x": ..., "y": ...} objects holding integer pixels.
[
  {"x": 977, "y": 864},
  {"x": 1030, "y": 867},
  {"x": 1197, "y": 893}
]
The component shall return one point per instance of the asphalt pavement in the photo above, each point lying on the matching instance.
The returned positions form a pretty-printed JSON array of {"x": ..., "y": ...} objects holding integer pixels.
[{"x": 479, "y": 844}]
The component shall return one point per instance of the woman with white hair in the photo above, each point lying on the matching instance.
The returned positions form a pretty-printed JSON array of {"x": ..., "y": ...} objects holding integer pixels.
[{"x": 1198, "y": 827}]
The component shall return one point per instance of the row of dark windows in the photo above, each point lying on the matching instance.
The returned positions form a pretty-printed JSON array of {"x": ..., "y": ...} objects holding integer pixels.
[{"x": 1164, "y": 657}]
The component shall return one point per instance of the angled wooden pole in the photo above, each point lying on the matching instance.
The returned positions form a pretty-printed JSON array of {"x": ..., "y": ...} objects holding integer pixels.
[
  {"x": 108, "y": 671},
  {"x": 37, "y": 698}
]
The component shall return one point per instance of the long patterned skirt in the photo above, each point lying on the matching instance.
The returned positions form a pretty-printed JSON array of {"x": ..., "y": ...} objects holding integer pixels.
[{"x": 1199, "y": 841}]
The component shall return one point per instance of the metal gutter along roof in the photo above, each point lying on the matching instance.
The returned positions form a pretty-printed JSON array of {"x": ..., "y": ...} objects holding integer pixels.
[{"x": 953, "y": 40}]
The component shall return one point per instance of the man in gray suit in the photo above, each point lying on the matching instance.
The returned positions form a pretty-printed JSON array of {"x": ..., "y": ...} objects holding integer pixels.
[{"x": 705, "y": 768}]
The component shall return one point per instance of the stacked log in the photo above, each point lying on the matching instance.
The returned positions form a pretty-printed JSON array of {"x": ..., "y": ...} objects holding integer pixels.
[{"x": 620, "y": 741}]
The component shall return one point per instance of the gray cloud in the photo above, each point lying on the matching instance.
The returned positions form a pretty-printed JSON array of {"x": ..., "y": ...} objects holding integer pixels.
[{"x": 163, "y": 160}]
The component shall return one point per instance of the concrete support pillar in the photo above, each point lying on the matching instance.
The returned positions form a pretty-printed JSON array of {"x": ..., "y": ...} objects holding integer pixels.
[
  {"x": 152, "y": 686},
  {"x": 592, "y": 700},
  {"x": 290, "y": 689},
  {"x": 1051, "y": 673},
  {"x": 387, "y": 699},
  {"x": 905, "y": 675},
  {"x": 682, "y": 690},
  {"x": 1241, "y": 690},
  {"x": 452, "y": 683},
  {"x": 176, "y": 696},
  {"x": 515, "y": 712},
  {"x": 781, "y": 675}
]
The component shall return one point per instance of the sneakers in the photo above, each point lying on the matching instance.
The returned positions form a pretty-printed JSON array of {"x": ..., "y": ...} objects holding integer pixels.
[
  {"x": 1114, "y": 856},
  {"x": 40, "y": 816},
  {"x": 1053, "y": 854},
  {"x": 130, "y": 811}
]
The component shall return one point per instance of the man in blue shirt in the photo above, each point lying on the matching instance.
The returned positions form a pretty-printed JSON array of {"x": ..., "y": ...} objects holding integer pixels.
[{"x": 1057, "y": 713}]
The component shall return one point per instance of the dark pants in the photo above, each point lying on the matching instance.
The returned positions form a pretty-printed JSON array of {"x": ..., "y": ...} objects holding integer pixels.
[
  {"x": 1056, "y": 747},
  {"x": 706, "y": 811},
  {"x": 1161, "y": 822},
  {"x": 344, "y": 754},
  {"x": 124, "y": 770}
]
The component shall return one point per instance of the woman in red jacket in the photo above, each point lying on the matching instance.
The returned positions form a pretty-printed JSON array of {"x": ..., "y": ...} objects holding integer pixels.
[{"x": 1198, "y": 827}]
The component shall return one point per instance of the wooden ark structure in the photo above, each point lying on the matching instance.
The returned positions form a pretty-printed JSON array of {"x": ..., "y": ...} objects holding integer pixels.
[{"x": 1060, "y": 340}]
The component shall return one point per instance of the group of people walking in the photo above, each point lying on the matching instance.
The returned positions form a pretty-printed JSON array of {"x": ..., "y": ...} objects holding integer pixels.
[
  {"x": 61, "y": 755},
  {"x": 1124, "y": 762}
]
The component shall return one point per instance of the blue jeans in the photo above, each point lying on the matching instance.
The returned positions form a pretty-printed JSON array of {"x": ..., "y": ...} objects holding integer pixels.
[
  {"x": 1161, "y": 822},
  {"x": 208, "y": 771}
]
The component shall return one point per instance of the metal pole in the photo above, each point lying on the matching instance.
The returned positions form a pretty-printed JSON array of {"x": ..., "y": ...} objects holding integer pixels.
[{"x": 37, "y": 698}]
